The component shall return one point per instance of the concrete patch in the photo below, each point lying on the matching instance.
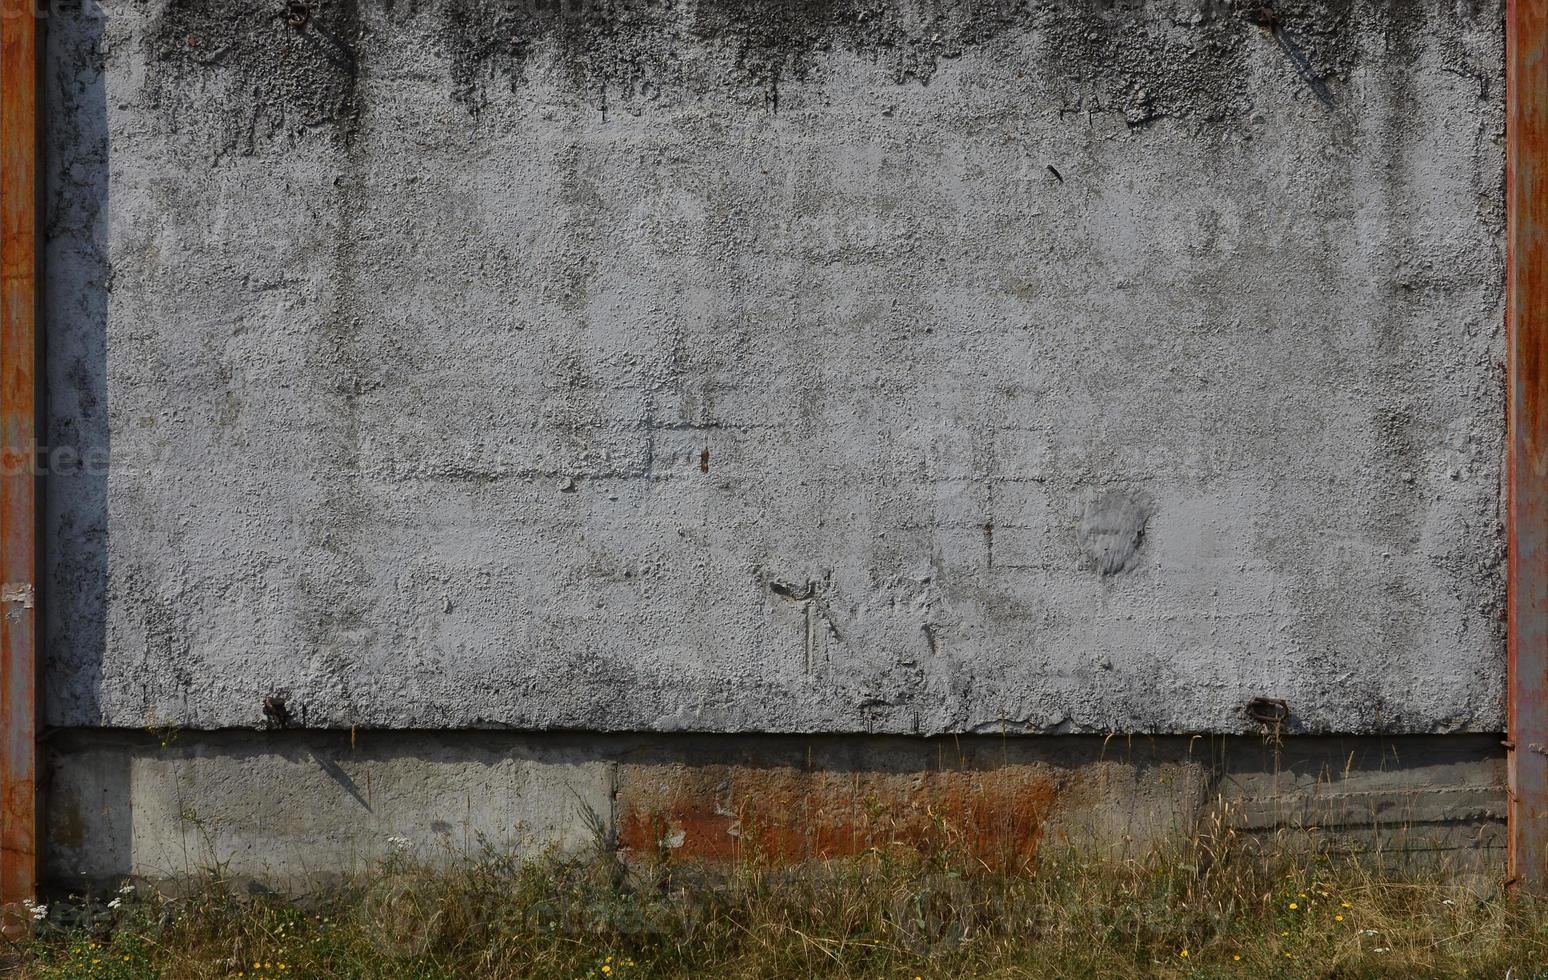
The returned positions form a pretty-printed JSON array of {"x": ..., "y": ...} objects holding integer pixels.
[{"x": 1111, "y": 529}]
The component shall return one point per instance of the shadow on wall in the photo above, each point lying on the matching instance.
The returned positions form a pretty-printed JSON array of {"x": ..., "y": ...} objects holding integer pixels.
[
  {"x": 76, "y": 284},
  {"x": 75, "y": 435}
]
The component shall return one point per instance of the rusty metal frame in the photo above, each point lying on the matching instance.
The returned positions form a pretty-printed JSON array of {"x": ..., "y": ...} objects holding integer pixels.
[
  {"x": 1526, "y": 305},
  {"x": 19, "y": 823}
]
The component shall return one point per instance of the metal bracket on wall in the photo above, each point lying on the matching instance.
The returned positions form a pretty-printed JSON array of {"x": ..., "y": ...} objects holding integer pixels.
[
  {"x": 1526, "y": 330},
  {"x": 19, "y": 821}
]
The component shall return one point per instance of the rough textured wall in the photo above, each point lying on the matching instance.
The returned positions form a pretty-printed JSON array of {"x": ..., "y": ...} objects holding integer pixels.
[{"x": 818, "y": 365}]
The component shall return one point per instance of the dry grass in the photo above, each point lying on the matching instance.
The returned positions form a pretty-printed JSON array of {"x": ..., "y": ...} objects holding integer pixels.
[{"x": 1209, "y": 907}]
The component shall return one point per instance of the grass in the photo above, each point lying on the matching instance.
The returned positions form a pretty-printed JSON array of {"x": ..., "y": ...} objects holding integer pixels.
[{"x": 1213, "y": 906}]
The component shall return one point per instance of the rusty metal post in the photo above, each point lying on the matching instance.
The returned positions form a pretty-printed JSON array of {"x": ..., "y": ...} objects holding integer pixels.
[
  {"x": 18, "y": 436},
  {"x": 1526, "y": 302}
]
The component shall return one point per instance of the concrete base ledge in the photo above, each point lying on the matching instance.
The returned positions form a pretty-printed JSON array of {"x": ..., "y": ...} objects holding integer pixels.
[{"x": 290, "y": 809}]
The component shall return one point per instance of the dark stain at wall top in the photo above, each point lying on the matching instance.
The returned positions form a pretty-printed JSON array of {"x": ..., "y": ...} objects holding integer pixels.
[
  {"x": 1185, "y": 57},
  {"x": 252, "y": 70},
  {"x": 255, "y": 71}
]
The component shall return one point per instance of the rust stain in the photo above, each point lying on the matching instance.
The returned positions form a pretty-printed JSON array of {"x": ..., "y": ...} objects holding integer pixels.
[
  {"x": 1526, "y": 295},
  {"x": 786, "y": 815},
  {"x": 18, "y": 516},
  {"x": 67, "y": 820}
]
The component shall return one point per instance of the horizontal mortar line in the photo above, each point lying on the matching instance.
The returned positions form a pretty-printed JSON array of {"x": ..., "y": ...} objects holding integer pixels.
[
  {"x": 1457, "y": 825},
  {"x": 1363, "y": 818},
  {"x": 1460, "y": 823},
  {"x": 1310, "y": 795},
  {"x": 472, "y": 475}
]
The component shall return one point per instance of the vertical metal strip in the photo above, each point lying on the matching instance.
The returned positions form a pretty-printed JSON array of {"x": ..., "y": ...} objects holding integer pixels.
[
  {"x": 1526, "y": 300},
  {"x": 18, "y": 483}
]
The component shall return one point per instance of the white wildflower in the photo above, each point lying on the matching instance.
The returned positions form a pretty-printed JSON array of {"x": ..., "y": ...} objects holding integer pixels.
[
  {"x": 39, "y": 912},
  {"x": 115, "y": 903},
  {"x": 399, "y": 843},
  {"x": 125, "y": 889},
  {"x": 1381, "y": 949}
]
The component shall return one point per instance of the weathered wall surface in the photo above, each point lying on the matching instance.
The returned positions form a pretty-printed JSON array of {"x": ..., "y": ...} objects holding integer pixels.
[
  {"x": 786, "y": 366},
  {"x": 290, "y": 808}
]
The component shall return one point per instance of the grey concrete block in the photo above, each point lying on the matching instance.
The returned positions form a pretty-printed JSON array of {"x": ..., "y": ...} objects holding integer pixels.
[{"x": 292, "y": 809}]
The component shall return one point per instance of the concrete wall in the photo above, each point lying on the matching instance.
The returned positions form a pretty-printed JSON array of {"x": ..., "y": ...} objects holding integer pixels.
[
  {"x": 798, "y": 366},
  {"x": 293, "y": 809}
]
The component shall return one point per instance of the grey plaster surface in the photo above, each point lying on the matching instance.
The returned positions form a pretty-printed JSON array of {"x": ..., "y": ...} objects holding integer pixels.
[{"x": 776, "y": 366}]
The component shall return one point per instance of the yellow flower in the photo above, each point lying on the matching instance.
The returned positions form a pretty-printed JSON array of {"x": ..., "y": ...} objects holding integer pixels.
[
  {"x": 1183, "y": 954},
  {"x": 1338, "y": 918},
  {"x": 126, "y": 958},
  {"x": 1237, "y": 956},
  {"x": 1293, "y": 906},
  {"x": 1346, "y": 905}
]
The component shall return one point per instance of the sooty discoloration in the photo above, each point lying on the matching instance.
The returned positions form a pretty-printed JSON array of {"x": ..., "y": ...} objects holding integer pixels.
[
  {"x": 1183, "y": 59},
  {"x": 1179, "y": 59},
  {"x": 253, "y": 72}
]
